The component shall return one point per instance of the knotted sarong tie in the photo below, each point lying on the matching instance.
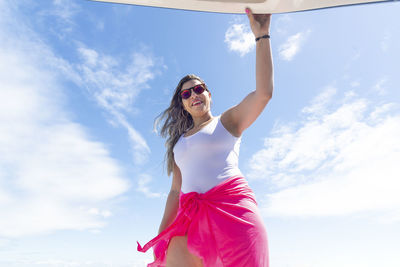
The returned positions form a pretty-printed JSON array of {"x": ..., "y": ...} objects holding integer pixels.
[{"x": 191, "y": 203}]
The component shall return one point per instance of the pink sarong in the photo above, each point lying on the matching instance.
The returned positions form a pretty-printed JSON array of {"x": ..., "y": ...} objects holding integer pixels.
[{"x": 223, "y": 226}]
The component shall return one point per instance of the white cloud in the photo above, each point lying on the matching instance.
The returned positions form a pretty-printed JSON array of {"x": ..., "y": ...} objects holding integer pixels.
[
  {"x": 144, "y": 180},
  {"x": 52, "y": 174},
  {"x": 341, "y": 159},
  {"x": 380, "y": 87},
  {"x": 61, "y": 13},
  {"x": 116, "y": 89},
  {"x": 139, "y": 145},
  {"x": 113, "y": 83},
  {"x": 293, "y": 44},
  {"x": 282, "y": 22},
  {"x": 113, "y": 88},
  {"x": 65, "y": 10},
  {"x": 318, "y": 104},
  {"x": 380, "y": 111},
  {"x": 240, "y": 38}
]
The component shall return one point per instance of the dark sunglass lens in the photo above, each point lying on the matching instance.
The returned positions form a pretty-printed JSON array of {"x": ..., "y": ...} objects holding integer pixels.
[
  {"x": 185, "y": 94},
  {"x": 199, "y": 89}
]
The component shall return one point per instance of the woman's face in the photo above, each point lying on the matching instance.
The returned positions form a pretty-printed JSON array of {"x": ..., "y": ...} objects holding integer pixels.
[{"x": 204, "y": 98}]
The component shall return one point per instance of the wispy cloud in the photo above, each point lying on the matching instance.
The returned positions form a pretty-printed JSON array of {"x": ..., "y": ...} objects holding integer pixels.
[
  {"x": 62, "y": 13},
  {"x": 293, "y": 44},
  {"x": 116, "y": 88},
  {"x": 319, "y": 104},
  {"x": 144, "y": 180},
  {"x": 113, "y": 82},
  {"x": 113, "y": 87},
  {"x": 380, "y": 85},
  {"x": 65, "y": 10},
  {"x": 239, "y": 38},
  {"x": 341, "y": 159},
  {"x": 53, "y": 175},
  {"x": 282, "y": 22}
]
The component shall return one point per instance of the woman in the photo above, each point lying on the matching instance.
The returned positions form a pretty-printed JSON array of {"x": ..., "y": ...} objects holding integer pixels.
[{"x": 211, "y": 216}]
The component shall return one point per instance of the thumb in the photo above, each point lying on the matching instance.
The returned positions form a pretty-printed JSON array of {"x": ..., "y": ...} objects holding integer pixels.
[{"x": 249, "y": 15}]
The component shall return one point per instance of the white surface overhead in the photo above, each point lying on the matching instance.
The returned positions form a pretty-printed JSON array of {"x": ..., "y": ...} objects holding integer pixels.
[{"x": 238, "y": 6}]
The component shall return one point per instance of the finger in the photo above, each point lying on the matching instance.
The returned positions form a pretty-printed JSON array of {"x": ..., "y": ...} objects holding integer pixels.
[{"x": 249, "y": 14}]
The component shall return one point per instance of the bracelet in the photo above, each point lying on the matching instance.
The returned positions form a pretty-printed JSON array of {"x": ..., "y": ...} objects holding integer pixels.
[{"x": 264, "y": 36}]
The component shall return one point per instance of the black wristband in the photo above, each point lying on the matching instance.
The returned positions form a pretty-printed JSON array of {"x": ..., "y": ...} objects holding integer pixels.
[{"x": 264, "y": 36}]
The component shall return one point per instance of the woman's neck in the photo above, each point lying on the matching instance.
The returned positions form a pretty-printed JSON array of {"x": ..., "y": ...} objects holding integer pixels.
[{"x": 199, "y": 121}]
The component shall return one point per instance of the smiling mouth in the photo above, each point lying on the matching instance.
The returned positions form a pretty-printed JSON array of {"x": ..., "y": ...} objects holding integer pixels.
[{"x": 198, "y": 103}]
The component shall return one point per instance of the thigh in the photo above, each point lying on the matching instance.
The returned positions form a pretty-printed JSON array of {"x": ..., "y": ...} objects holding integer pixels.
[{"x": 178, "y": 254}]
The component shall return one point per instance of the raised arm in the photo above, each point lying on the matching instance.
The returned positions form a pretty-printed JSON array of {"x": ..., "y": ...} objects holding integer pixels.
[{"x": 241, "y": 116}]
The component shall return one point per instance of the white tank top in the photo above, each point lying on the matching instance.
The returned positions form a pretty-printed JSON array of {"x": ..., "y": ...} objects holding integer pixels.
[{"x": 207, "y": 157}]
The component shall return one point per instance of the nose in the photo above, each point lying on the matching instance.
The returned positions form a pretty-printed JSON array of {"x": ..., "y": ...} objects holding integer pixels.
[{"x": 193, "y": 95}]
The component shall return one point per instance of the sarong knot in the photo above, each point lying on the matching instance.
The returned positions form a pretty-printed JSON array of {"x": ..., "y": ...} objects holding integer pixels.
[{"x": 191, "y": 204}]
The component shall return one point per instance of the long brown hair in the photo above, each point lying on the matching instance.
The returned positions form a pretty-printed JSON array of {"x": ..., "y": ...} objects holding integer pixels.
[{"x": 176, "y": 121}]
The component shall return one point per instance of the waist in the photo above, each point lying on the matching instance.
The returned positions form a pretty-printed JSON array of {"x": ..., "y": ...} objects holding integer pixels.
[
  {"x": 202, "y": 181},
  {"x": 230, "y": 188},
  {"x": 228, "y": 193}
]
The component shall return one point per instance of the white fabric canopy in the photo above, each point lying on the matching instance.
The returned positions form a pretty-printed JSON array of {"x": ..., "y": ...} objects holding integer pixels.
[{"x": 238, "y": 6}]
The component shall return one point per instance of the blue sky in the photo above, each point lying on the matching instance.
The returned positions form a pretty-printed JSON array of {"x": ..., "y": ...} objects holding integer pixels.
[{"x": 81, "y": 168}]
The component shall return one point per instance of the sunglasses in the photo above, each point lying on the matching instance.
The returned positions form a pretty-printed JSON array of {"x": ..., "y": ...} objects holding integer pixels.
[{"x": 198, "y": 89}]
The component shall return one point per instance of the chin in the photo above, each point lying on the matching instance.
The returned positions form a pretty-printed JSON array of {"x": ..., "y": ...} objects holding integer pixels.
[{"x": 200, "y": 113}]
